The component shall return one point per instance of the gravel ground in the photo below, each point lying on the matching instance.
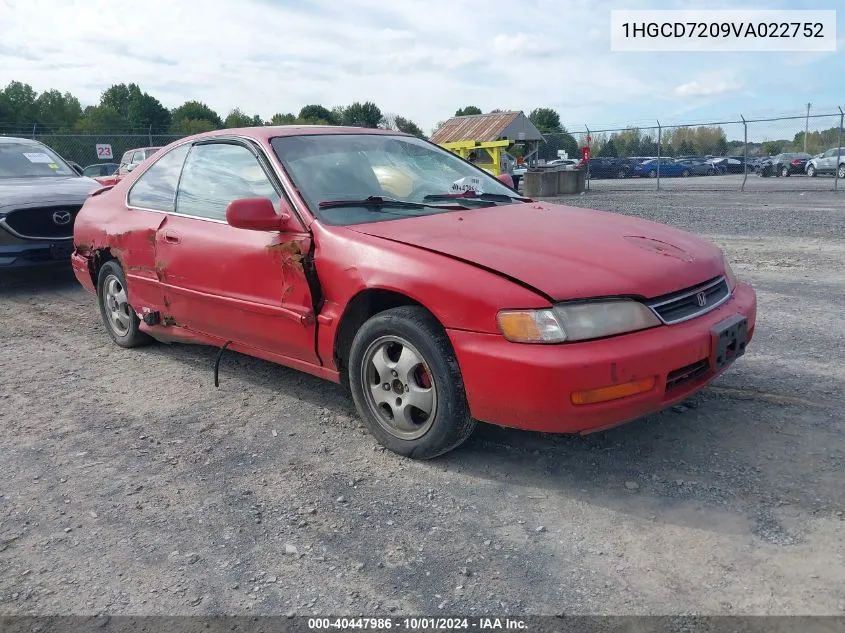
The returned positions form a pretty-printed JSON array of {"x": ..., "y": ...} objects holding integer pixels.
[{"x": 130, "y": 485}]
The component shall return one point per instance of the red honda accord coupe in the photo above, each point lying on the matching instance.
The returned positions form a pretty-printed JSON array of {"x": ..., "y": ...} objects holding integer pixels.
[{"x": 430, "y": 288}]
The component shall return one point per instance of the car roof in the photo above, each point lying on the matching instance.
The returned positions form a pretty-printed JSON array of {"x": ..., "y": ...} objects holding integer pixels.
[
  {"x": 268, "y": 132},
  {"x": 20, "y": 141}
]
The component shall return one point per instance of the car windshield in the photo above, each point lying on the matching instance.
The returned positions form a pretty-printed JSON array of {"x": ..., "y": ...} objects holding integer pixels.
[
  {"x": 24, "y": 160},
  {"x": 399, "y": 169}
]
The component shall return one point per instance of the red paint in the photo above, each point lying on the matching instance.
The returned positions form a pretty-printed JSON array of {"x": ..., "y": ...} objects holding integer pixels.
[{"x": 213, "y": 282}]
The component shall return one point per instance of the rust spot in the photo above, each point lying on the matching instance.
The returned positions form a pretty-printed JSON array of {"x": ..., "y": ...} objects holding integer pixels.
[
  {"x": 84, "y": 248},
  {"x": 166, "y": 302},
  {"x": 169, "y": 320},
  {"x": 161, "y": 270},
  {"x": 289, "y": 252}
]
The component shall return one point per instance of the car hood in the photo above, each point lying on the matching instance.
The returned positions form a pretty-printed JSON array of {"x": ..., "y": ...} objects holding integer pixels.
[
  {"x": 563, "y": 252},
  {"x": 50, "y": 189}
]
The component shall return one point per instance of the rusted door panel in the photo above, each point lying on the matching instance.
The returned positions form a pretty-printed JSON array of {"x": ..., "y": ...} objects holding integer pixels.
[{"x": 244, "y": 286}]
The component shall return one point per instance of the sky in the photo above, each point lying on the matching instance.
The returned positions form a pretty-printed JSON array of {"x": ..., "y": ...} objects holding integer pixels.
[{"x": 421, "y": 59}]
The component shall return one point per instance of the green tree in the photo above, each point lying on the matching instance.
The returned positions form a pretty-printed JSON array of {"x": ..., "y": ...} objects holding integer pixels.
[
  {"x": 140, "y": 109},
  {"x": 546, "y": 120},
  {"x": 556, "y": 141},
  {"x": 408, "y": 127},
  {"x": 318, "y": 114},
  {"x": 468, "y": 111},
  {"x": 196, "y": 111},
  {"x": 282, "y": 119},
  {"x": 773, "y": 148},
  {"x": 365, "y": 114},
  {"x": 609, "y": 149},
  {"x": 17, "y": 104},
  {"x": 237, "y": 118},
  {"x": 189, "y": 127},
  {"x": 686, "y": 148},
  {"x": 57, "y": 110},
  {"x": 97, "y": 119},
  {"x": 648, "y": 146}
]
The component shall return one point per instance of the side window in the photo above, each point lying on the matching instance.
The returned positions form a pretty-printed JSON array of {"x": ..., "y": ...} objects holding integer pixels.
[
  {"x": 218, "y": 173},
  {"x": 156, "y": 188}
]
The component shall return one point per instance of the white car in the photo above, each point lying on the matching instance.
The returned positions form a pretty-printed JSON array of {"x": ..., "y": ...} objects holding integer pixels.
[{"x": 826, "y": 163}]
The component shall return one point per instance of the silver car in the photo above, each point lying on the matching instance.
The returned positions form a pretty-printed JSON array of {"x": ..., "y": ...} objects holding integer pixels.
[{"x": 831, "y": 162}]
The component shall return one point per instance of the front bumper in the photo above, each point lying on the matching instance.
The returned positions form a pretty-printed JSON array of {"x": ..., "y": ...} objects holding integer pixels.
[
  {"x": 530, "y": 386},
  {"x": 27, "y": 254}
]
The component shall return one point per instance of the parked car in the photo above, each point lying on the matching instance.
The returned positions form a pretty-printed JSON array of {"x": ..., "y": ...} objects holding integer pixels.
[
  {"x": 103, "y": 173},
  {"x": 699, "y": 167},
  {"x": 830, "y": 162},
  {"x": 383, "y": 262},
  {"x": 790, "y": 163},
  {"x": 134, "y": 157},
  {"x": 603, "y": 167},
  {"x": 668, "y": 168},
  {"x": 728, "y": 164},
  {"x": 40, "y": 195}
]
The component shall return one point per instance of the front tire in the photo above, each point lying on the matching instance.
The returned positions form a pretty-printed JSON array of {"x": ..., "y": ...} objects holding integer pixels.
[
  {"x": 784, "y": 172},
  {"x": 811, "y": 171},
  {"x": 121, "y": 322},
  {"x": 652, "y": 173},
  {"x": 407, "y": 385}
]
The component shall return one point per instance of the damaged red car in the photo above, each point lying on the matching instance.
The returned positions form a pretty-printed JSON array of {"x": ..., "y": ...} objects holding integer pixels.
[{"x": 430, "y": 288}]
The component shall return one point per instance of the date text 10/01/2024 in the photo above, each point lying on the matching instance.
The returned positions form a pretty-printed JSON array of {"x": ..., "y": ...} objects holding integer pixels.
[{"x": 416, "y": 624}]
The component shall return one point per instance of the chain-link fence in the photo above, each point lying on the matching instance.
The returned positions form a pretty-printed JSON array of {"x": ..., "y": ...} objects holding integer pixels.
[
  {"x": 95, "y": 147},
  {"x": 793, "y": 153}
]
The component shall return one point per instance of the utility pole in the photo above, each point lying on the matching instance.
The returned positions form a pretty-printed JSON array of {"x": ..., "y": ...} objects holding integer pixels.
[{"x": 807, "y": 127}]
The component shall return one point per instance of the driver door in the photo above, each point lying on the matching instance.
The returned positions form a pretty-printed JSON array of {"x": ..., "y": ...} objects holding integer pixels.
[{"x": 239, "y": 285}]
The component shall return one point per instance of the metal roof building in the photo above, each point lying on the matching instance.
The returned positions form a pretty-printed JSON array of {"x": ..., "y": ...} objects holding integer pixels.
[{"x": 495, "y": 126}]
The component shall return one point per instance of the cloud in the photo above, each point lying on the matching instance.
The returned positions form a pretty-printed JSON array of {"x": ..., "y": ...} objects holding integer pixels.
[
  {"x": 421, "y": 59},
  {"x": 708, "y": 88}
]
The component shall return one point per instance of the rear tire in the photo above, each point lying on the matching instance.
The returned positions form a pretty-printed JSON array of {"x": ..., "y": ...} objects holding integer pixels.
[
  {"x": 652, "y": 173},
  {"x": 407, "y": 385},
  {"x": 841, "y": 172},
  {"x": 685, "y": 173},
  {"x": 784, "y": 172},
  {"x": 122, "y": 324}
]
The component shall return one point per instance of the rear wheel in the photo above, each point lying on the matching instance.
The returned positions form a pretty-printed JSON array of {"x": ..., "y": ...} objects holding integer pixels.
[
  {"x": 407, "y": 385},
  {"x": 120, "y": 319},
  {"x": 785, "y": 171},
  {"x": 685, "y": 173},
  {"x": 841, "y": 172},
  {"x": 652, "y": 173},
  {"x": 622, "y": 173}
]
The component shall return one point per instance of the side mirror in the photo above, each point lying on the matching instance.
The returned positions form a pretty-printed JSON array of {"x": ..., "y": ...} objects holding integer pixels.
[
  {"x": 131, "y": 166},
  {"x": 258, "y": 214},
  {"x": 506, "y": 180},
  {"x": 76, "y": 167}
]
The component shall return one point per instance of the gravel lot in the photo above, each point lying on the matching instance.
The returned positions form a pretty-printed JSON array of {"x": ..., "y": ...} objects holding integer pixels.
[{"x": 130, "y": 485}]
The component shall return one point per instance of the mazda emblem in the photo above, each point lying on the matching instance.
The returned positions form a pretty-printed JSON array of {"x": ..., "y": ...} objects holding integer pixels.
[
  {"x": 701, "y": 298},
  {"x": 61, "y": 217}
]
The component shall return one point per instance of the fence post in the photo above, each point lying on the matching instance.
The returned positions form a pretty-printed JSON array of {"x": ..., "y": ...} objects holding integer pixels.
[
  {"x": 745, "y": 159},
  {"x": 590, "y": 155},
  {"x": 838, "y": 151},
  {"x": 34, "y": 125},
  {"x": 150, "y": 134},
  {"x": 659, "y": 143}
]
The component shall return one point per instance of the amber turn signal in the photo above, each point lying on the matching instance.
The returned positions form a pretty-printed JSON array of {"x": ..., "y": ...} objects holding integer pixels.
[{"x": 603, "y": 394}]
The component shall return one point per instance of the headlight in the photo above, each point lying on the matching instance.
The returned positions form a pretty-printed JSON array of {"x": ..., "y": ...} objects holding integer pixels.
[
  {"x": 730, "y": 275},
  {"x": 576, "y": 321}
]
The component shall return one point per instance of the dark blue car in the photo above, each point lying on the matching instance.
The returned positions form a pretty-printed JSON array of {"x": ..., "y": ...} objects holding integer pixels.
[
  {"x": 668, "y": 167},
  {"x": 40, "y": 195}
]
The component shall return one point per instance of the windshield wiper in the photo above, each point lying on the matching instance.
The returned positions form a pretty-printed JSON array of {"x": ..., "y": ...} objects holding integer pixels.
[
  {"x": 472, "y": 195},
  {"x": 379, "y": 201}
]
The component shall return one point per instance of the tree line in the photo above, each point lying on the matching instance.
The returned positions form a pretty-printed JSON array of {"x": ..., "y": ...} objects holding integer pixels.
[{"x": 126, "y": 108}]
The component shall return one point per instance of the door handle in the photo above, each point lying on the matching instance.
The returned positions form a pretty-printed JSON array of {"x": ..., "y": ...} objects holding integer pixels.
[{"x": 172, "y": 237}]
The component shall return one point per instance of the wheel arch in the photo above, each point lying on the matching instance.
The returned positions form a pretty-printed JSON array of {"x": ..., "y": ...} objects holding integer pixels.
[{"x": 362, "y": 306}]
